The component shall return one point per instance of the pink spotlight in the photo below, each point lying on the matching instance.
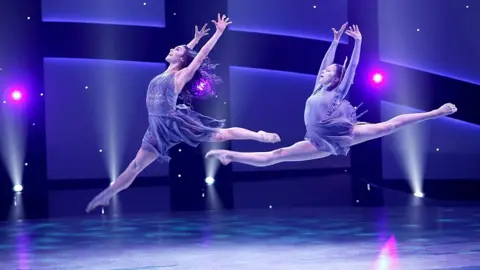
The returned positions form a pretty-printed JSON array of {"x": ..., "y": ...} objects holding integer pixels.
[
  {"x": 17, "y": 95},
  {"x": 377, "y": 78}
]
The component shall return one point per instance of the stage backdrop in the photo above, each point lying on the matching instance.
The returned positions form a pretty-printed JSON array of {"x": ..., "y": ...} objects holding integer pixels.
[
  {"x": 96, "y": 116},
  {"x": 95, "y": 109},
  {"x": 444, "y": 148},
  {"x": 121, "y": 12},
  {"x": 428, "y": 36},
  {"x": 302, "y": 19}
]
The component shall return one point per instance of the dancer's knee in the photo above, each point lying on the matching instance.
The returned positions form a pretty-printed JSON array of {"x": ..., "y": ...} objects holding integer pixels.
[
  {"x": 378, "y": 130},
  {"x": 221, "y": 135},
  {"x": 278, "y": 153},
  {"x": 369, "y": 132},
  {"x": 388, "y": 128},
  {"x": 135, "y": 167},
  {"x": 266, "y": 159},
  {"x": 274, "y": 156}
]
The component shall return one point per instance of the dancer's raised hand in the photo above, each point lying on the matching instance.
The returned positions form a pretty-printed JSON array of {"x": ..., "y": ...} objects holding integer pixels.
[
  {"x": 338, "y": 34},
  {"x": 354, "y": 32},
  {"x": 222, "y": 22},
  {"x": 202, "y": 32}
]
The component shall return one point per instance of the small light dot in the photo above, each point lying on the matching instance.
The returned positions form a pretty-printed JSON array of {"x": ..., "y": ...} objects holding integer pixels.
[
  {"x": 418, "y": 29},
  {"x": 358, "y": 201},
  {"x": 144, "y": 4},
  {"x": 28, "y": 18},
  {"x": 314, "y": 6},
  {"x": 346, "y": 170},
  {"x": 179, "y": 150},
  {"x": 355, "y": 108},
  {"x": 4, "y": 102},
  {"x": 1, "y": 69},
  {"x": 216, "y": 96},
  {"x": 467, "y": 6},
  {"x": 174, "y": 13},
  {"x": 179, "y": 175},
  {"x": 26, "y": 164},
  {"x": 203, "y": 195},
  {"x": 103, "y": 211},
  {"x": 33, "y": 124},
  {"x": 41, "y": 94},
  {"x": 368, "y": 186},
  {"x": 86, "y": 87},
  {"x": 438, "y": 149},
  {"x": 225, "y": 103},
  {"x": 100, "y": 150},
  {"x": 270, "y": 206}
]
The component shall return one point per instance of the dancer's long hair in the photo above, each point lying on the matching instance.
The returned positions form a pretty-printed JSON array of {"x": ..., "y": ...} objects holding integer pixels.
[{"x": 202, "y": 85}]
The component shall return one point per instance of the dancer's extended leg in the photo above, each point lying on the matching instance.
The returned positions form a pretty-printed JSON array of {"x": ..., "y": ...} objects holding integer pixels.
[
  {"x": 236, "y": 133},
  {"x": 366, "y": 132},
  {"x": 300, "y": 151},
  {"x": 141, "y": 161}
]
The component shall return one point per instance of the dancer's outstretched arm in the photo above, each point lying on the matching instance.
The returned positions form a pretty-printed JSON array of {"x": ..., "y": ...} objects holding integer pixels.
[
  {"x": 186, "y": 74},
  {"x": 199, "y": 34},
  {"x": 347, "y": 79},
  {"x": 330, "y": 54}
]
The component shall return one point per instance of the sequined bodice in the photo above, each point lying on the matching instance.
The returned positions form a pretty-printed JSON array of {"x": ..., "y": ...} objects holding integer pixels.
[{"x": 161, "y": 96}]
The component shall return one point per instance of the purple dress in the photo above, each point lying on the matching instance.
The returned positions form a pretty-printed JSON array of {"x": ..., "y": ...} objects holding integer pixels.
[
  {"x": 329, "y": 118},
  {"x": 329, "y": 121},
  {"x": 170, "y": 124}
]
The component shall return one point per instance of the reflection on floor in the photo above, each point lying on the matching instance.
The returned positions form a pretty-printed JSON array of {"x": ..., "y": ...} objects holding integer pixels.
[{"x": 323, "y": 238}]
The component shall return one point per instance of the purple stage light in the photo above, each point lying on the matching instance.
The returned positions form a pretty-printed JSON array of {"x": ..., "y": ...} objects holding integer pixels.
[
  {"x": 203, "y": 89},
  {"x": 377, "y": 78},
  {"x": 16, "y": 95}
]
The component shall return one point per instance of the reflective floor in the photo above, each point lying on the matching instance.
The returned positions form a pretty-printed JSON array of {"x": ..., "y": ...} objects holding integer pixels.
[{"x": 335, "y": 238}]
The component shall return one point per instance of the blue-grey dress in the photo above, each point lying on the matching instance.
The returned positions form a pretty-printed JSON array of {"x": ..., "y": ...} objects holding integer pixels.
[
  {"x": 170, "y": 124},
  {"x": 329, "y": 120}
]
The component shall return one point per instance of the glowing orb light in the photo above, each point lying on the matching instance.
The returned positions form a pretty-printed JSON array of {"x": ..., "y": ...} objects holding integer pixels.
[
  {"x": 377, "y": 78},
  {"x": 17, "y": 95}
]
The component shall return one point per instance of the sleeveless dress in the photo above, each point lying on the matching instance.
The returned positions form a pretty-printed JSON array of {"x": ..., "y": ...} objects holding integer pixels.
[
  {"x": 170, "y": 124},
  {"x": 329, "y": 121}
]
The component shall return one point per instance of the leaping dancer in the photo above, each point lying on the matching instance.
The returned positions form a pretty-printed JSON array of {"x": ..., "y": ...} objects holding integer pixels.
[{"x": 170, "y": 124}]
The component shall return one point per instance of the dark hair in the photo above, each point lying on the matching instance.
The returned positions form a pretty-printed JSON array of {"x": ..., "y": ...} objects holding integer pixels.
[
  {"x": 338, "y": 74},
  {"x": 203, "y": 81}
]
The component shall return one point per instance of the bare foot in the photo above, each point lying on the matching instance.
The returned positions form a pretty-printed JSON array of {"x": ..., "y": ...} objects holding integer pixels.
[
  {"x": 101, "y": 199},
  {"x": 222, "y": 155},
  {"x": 446, "y": 109},
  {"x": 269, "y": 137}
]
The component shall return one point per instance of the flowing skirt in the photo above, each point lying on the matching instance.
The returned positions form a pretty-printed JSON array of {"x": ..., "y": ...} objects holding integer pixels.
[
  {"x": 335, "y": 134},
  {"x": 182, "y": 125}
]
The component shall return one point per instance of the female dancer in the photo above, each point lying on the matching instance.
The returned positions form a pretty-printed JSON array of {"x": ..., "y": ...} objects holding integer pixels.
[
  {"x": 331, "y": 121},
  {"x": 170, "y": 124}
]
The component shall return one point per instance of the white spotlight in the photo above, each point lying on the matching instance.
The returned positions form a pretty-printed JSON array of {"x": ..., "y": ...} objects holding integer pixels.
[
  {"x": 18, "y": 188},
  {"x": 418, "y": 194},
  {"x": 209, "y": 180}
]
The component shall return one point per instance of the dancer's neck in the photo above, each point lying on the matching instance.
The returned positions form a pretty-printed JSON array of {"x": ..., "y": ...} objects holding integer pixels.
[{"x": 173, "y": 68}]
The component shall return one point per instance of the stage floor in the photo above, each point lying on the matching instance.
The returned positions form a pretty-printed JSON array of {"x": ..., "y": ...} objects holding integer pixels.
[{"x": 411, "y": 238}]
